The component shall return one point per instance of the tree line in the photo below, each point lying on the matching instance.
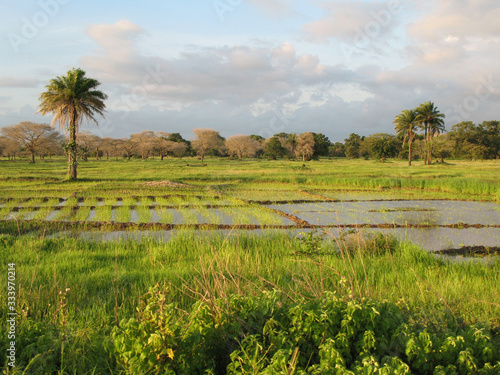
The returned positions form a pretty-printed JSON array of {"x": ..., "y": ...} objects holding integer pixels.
[
  {"x": 465, "y": 140},
  {"x": 74, "y": 97}
]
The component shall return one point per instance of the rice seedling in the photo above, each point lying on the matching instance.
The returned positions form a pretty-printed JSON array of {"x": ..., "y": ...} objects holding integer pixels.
[
  {"x": 82, "y": 213},
  {"x": 102, "y": 213},
  {"x": 122, "y": 214},
  {"x": 144, "y": 214},
  {"x": 188, "y": 216},
  {"x": 165, "y": 215}
]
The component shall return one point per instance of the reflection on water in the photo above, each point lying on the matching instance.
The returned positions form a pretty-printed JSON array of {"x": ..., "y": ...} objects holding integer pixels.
[
  {"x": 414, "y": 212},
  {"x": 431, "y": 239},
  {"x": 395, "y": 212}
]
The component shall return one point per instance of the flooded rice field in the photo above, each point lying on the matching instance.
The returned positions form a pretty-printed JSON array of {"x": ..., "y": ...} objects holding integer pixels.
[{"x": 435, "y": 225}]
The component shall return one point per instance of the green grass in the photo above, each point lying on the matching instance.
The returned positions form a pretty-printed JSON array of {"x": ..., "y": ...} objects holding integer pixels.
[
  {"x": 102, "y": 282},
  {"x": 253, "y": 178}
]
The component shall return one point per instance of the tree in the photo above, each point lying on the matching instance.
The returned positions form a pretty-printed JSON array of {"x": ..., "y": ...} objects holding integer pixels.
[
  {"x": 258, "y": 138},
  {"x": 129, "y": 146},
  {"x": 491, "y": 138},
  {"x": 305, "y": 146},
  {"x": 407, "y": 123},
  {"x": 353, "y": 146},
  {"x": 207, "y": 139},
  {"x": 3, "y": 145},
  {"x": 31, "y": 137},
  {"x": 145, "y": 142},
  {"x": 321, "y": 145},
  {"x": 273, "y": 148},
  {"x": 242, "y": 146},
  {"x": 432, "y": 123},
  {"x": 72, "y": 99},
  {"x": 88, "y": 142},
  {"x": 108, "y": 146},
  {"x": 292, "y": 140},
  {"x": 382, "y": 145},
  {"x": 442, "y": 146},
  {"x": 337, "y": 150},
  {"x": 179, "y": 149}
]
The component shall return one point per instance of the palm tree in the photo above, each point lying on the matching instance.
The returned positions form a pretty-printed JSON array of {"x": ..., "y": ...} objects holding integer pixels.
[
  {"x": 292, "y": 140},
  {"x": 72, "y": 98},
  {"x": 432, "y": 121},
  {"x": 406, "y": 124}
]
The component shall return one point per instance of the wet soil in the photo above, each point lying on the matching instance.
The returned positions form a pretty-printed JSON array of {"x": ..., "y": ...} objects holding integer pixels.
[{"x": 471, "y": 251}]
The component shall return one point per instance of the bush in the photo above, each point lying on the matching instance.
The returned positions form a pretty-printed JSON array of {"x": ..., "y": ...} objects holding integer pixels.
[{"x": 271, "y": 334}]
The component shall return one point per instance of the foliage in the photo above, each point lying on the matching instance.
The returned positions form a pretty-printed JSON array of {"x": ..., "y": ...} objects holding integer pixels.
[
  {"x": 206, "y": 140},
  {"x": 406, "y": 126},
  {"x": 305, "y": 147},
  {"x": 382, "y": 146},
  {"x": 33, "y": 138},
  {"x": 273, "y": 148},
  {"x": 476, "y": 141},
  {"x": 271, "y": 334},
  {"x": 353, "y": 146}
]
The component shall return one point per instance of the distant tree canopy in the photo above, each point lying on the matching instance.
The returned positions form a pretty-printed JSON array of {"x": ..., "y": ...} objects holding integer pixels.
[
  {"x": 242, "y": 146},
  {"x": 353, "y": 146},
  {"x": 382, "y": 145},
  {"x": 476, "y": 141},
  {"x": 425, "y": 117},
  {"x": 206, "y": 140},
  {"x": 418, "y": 136},
  {"x": 31, "y": 138},
  {"x": 273, "y": 148}
]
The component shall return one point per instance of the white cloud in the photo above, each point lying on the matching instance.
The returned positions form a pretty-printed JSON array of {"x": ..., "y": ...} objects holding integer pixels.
[
  {"x": 353, "y": 20},
  {"x": 274, "y": 8},
  {"x": 15, "y": 82},
  {"x": 241, "y": 75}
]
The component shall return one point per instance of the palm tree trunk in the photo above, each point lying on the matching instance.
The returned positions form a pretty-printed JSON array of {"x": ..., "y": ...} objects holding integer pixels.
[
  {"x": 72, "y": 149},
  {"x": 409, "y": 154},
  {"x": 425, "y": 143}
]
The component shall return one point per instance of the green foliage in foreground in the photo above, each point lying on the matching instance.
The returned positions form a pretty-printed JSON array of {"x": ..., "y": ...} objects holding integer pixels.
[
  {"x": 274, "y": 335},
  {"x": 246, "y": 303}
]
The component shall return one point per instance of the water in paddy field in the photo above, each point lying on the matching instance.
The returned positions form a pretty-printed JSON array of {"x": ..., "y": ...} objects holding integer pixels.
[
  {"x": 417, "y": 212},
  {"x": 428, "y": 218}
]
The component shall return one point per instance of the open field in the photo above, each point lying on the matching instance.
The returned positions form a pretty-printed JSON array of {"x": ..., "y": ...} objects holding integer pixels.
[{"x": 245, "y": 299}]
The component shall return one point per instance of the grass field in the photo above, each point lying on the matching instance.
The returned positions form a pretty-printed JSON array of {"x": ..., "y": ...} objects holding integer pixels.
[{"x": 238, "y": 303}]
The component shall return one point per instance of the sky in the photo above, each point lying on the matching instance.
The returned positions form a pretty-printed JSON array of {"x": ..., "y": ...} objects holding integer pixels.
[{"x": 255, "y": 66}]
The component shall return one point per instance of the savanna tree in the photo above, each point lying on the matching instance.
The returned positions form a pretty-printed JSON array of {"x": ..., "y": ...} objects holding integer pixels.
[
  {"x": 205, "y": 141},
  {"x": 31, "y": 137},
  {"x": 242, "y": 146},
  {"x": 273, "y": 148},
  {"x": 305, "y": 146}
]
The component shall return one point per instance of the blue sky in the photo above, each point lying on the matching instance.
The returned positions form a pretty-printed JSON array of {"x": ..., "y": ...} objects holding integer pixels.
[{"x": 255, "y": 66}]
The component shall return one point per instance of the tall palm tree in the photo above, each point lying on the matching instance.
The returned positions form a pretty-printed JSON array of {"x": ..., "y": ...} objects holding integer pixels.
[
  {"x": 432, "y": 122},
  {"x": 406, "y": 124},
  {"x": 72, "y": 98}
]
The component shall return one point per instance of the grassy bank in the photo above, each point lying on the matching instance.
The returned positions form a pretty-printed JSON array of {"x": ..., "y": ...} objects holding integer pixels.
[{"x": 71, "y": 293}]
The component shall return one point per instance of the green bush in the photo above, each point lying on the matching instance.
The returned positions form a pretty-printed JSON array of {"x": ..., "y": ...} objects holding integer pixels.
[{"x": 271, "y": 334}]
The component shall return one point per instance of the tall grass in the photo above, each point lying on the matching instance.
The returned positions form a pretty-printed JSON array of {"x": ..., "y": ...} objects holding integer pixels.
[{"x": 100, "y": 284}]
